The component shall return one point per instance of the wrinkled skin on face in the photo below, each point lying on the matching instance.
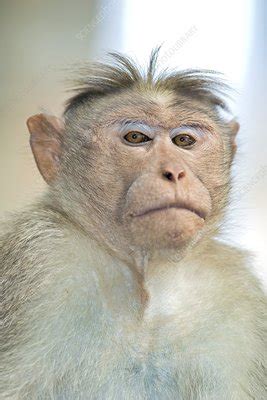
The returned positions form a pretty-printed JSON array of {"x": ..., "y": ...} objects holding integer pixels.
[{"x": 149, "y": 196}]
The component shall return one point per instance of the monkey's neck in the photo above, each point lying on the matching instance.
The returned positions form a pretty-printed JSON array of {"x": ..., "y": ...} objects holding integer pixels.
[{"x": 135, "y": 268}]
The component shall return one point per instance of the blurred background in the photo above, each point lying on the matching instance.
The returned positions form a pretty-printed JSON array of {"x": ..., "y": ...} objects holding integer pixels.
[{"x": 41, "y": 39}]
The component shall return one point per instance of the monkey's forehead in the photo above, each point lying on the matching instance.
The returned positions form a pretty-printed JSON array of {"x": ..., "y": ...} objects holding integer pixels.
[{"x": 156, "y": 109}]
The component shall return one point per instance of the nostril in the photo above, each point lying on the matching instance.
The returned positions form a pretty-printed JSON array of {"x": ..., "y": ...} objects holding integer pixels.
[
  {"x": 169, "y": 175},
  {"x": 181, "y": 175}
]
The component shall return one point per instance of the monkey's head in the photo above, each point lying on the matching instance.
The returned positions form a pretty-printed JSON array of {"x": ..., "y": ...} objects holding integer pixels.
[{"x": 141, "y": 161}]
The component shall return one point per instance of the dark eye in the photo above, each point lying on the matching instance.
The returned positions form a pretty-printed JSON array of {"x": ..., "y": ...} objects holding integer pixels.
[
  {"x": 183, "y": 140},
  {"x": 136, "y": 137}
]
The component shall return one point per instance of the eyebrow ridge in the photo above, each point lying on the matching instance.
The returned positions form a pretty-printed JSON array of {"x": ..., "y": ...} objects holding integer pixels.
[{"x": 127, "y": 122}]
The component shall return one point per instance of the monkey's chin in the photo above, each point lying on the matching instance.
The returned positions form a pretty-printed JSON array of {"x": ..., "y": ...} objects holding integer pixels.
[{"x": 171, "y": 228}]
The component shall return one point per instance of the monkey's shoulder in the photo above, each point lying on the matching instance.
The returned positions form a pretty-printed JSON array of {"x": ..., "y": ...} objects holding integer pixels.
[
  {"x": 233, "y": 259},
  {"x": 25, "y": 234},
  {"x": 28, "y": 247},
  {"x": 232, "y": 271}
]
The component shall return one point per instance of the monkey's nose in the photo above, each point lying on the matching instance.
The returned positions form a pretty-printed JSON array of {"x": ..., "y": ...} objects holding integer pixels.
[{"x": 173, "y": 174}]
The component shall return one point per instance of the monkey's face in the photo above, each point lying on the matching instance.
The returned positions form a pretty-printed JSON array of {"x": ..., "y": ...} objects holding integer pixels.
[
  {"x": 154, "y": 172},
  {"x": 141, "y": 170}
]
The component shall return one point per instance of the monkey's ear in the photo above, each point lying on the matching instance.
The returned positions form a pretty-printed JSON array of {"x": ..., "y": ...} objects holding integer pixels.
[
  {"x": 45, "y": 139},
  {"x": 233, "y": 128}
]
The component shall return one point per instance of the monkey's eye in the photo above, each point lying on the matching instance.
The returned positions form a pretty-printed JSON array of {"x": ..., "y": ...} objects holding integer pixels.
[
  {"x": 183, "y": 140},
  {"x": 136, "y": 137}
]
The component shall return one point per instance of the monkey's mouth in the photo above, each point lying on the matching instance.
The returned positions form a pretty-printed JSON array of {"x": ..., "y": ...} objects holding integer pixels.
[{"x": 198, "y": 212}]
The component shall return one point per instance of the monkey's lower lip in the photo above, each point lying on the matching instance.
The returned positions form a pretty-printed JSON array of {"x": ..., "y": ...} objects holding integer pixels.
[{"x": 201, "y": 214}]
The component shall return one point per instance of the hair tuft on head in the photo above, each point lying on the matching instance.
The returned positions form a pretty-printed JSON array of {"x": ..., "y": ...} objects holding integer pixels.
[{"x": 98, "y": 79}]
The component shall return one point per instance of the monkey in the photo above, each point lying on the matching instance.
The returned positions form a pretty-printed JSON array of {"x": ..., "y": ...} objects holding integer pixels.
[{"x": 116, "y": 284}]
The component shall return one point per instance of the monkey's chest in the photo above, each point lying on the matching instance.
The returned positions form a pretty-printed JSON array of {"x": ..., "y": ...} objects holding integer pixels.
[
  {"x": 123, "y": 363},
  {"x": 104, "y": 351}
]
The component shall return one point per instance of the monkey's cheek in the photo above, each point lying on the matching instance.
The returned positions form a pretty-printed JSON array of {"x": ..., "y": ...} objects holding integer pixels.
[{"x": 172, "y": 228}]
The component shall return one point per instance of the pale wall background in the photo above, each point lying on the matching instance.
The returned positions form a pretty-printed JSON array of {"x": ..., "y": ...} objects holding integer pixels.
[{"x": 40, "y": 39}]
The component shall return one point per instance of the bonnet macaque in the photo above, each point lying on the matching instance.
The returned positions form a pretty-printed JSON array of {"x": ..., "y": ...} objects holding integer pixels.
[{"x": 116, "y": 286}]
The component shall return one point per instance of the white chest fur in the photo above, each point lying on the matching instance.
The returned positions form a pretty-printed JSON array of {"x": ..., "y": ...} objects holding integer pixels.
[{"x": 90, "y": 339}]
